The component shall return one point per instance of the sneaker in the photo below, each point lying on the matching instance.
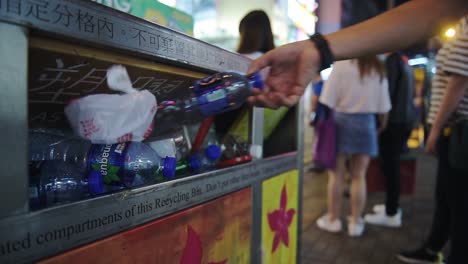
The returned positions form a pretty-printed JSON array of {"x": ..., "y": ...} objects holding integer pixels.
[
  {"x": 379, "y": 208},
  {"x": 420, "y": 256},
  {"x": 382, "y": 219},
  {"x": 324, "y": 223},
  {"x": 356, "y": 229}
]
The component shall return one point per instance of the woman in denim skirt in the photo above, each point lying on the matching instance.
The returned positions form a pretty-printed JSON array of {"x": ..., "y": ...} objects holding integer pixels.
[{"x": 357, "y": 90}]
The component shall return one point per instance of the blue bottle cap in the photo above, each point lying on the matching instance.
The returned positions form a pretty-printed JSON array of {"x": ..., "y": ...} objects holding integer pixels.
[
  {"x": 256, "y": 81},
  {"x": 194, "y": 163},
  {"x": 213, "y": 152},
  {"x": 169, "y": 169}
]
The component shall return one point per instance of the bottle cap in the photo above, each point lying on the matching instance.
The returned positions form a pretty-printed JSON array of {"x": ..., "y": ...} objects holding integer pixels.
[
  {"x": 256, "y": 81},
  {"x": 169, "y": 169},
  {"x": 213, "y": 152},
  {"x": 194, "y": 163}
]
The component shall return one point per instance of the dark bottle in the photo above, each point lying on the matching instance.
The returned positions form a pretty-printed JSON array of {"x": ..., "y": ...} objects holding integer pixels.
[{"x": 216, "y": 94}]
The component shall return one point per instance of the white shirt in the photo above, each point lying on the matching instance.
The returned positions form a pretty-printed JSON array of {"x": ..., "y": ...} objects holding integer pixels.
[
  {"x": 346, "y": 92},
  {"x": 253, "y": 55}
]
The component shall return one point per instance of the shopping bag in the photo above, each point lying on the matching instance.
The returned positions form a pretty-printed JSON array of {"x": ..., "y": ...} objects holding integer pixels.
[
  {"x": 325, "y": 144},
  {"x": 113, "y": 118}
]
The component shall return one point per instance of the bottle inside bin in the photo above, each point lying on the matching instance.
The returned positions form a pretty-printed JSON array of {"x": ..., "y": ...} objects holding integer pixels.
[
  {"x": 213, "y": 95},
  {"x": 54, "y": 182},
  {"x": 97, "y": 168},
  {"x": 199, "y": 162}
]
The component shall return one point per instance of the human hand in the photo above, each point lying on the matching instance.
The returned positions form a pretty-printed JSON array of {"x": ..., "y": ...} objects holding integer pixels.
[
  {"x": 292, "y": 67},
  {"x": 431, "y": 142}
]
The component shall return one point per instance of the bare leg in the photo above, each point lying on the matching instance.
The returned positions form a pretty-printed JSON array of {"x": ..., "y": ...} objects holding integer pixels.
[
  {"x": 335, "y": 188},
  {"x": 359, "y": 164}
]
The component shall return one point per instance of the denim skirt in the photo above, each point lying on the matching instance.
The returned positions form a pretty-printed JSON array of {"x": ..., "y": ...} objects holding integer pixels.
[{"x": 356, "y": 133}]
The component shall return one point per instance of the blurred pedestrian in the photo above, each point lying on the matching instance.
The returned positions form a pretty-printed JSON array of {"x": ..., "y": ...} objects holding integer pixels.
[
  {"x": 392, "y": 141},
  {"x": 356, "y": 91},
  {"x": 448, "y": 115}
]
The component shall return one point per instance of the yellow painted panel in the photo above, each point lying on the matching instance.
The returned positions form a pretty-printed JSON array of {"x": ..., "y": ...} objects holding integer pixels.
[{"x": 279, "y": 218}]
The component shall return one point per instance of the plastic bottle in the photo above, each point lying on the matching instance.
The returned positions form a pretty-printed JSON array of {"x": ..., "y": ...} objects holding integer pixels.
[
  {"x": 108, "y": 167},
  {"x": 199, "y": 162},
  {"x": 54, "y": 182},
  {"x": 235, "y": 152},
  {"x": 213, "y": 95}
]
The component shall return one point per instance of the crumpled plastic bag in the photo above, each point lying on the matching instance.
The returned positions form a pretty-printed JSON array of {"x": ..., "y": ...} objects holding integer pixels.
[{"x": 114, "y": 118}]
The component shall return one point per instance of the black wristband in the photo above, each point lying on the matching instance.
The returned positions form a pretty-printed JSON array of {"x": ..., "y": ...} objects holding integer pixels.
[{"x": 326, "y": 56}]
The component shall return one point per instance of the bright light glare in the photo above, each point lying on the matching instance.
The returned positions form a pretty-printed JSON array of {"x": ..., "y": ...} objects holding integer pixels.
[
  {"x": 417, "y": 61},
  {"x": 450, "y": 33}
]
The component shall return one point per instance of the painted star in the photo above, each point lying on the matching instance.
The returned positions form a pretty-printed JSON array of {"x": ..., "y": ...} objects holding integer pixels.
[
  {"x": 193, "y": 251},
  {"x": 280, "y": 220}
]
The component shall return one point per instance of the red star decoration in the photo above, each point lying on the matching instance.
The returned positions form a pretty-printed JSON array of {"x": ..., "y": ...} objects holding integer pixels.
[
  {"x": 193, "y": 251},
  {"x": 280, "y": 220}
]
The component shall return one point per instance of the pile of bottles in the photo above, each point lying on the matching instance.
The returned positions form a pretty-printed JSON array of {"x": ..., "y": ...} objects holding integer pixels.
[{"x": 64, "y": 168}]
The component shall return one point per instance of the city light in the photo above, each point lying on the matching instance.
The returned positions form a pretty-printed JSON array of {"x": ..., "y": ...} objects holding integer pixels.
[{"x": 450, "y": 33}]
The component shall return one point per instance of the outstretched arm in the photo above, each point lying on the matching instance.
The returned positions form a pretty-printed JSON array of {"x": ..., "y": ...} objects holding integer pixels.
[
  {"x": 396, "y": 29},
  {"x": 292, "y": 66}
]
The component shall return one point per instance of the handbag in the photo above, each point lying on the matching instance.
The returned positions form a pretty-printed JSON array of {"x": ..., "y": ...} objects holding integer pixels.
[
  {"x": 325, "y": 144},
  {"x": 458, "y": 146}
]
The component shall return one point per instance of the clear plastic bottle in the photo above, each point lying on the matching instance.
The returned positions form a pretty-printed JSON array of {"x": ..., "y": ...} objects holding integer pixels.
[
  {"x": 216, "y": 94},
  {"x": 105, "y": 167},
  {"x": 53, "y": 182}
]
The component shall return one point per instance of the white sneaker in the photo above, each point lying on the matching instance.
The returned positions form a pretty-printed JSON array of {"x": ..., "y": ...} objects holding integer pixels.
[
  {"x": 379, "y": 208},
  {"x": 324, "y": 223},
  {"x": 382, "y": 219},
  {"x": 356, "y": 229}
]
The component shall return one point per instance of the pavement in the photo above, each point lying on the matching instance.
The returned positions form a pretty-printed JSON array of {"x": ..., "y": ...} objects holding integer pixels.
[{"x": 378, "y": 245}]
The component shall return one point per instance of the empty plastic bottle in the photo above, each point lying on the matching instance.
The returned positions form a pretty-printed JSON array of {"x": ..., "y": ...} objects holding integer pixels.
[
  {"x": 205, "y": 160},
  {"x": 107, "y": 167},
  {"x": 55, "y": 182},
  {"x": 213, "y": 95}
]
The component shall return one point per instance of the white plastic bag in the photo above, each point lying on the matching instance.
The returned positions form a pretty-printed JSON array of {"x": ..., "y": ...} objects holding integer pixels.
[{"x": 114, "y": 118}]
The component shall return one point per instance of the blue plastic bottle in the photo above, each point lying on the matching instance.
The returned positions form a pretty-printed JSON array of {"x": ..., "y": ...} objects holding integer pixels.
[
  {"x": 206, "y": 160},
  {"x": 105, "y": 168},
  {"x": 213, "y": 95}
]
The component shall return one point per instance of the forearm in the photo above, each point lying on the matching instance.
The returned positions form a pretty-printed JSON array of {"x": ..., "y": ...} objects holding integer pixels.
[
  {"x": 399, "y": 28},
  {"x": 456, "y": 88}
]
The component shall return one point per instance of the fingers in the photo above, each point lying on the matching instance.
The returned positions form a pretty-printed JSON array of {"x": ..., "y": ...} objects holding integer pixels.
[
  {"x": 273, "y": 100},
  {"x": 259, "y": 63}
]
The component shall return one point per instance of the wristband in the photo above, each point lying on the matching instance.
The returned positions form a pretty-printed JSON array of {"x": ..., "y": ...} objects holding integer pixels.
[{"x": 326, "y": 56}]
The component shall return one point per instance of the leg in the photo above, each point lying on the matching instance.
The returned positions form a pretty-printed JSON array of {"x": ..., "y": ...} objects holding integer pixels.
[
  {"x": 359, "y": 164},
  {"x": 439, "y": 233},
  {"x": 459, "y": 216},
  {"x": 390, "y": 154},
  {"x": 335, "y": 188}
]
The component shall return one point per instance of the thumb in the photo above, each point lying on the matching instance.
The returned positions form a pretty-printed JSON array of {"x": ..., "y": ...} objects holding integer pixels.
[{"x": 260, "y": 63}]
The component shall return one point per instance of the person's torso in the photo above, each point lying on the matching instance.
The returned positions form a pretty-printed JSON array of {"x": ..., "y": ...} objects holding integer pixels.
[
  {"x": 356, "y": 94},
  {"x": 452, "y": 57}
]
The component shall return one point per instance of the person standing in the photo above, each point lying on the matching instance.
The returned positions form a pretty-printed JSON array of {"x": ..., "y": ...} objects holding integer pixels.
[
  {"x": 449, "y": 107},
  {"x": 392, "y": 140},
  {"x": 356, "y": 91},
  {"x": 256, "y": 38}
]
